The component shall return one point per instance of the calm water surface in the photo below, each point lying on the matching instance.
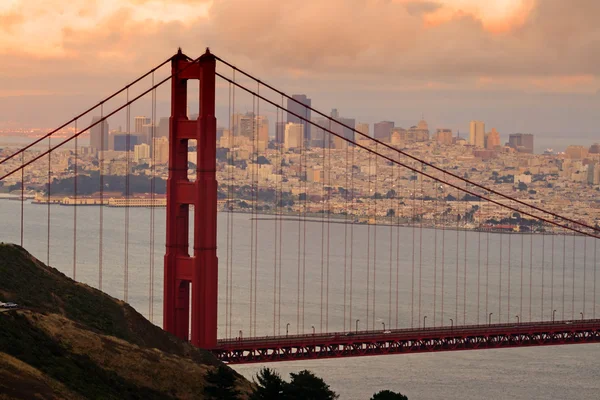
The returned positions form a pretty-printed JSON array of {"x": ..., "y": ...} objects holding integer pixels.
[{"x": 568, "y": 372}]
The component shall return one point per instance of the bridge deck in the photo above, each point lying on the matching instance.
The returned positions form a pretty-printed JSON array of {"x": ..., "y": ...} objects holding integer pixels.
[{"x": 398, "y": 341}]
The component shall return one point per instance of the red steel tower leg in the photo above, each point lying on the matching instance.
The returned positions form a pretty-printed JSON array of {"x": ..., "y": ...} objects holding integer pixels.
[{"x": 181, "y": 269}]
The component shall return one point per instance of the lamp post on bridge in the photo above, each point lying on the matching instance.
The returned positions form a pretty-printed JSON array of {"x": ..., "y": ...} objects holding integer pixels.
[
  {"x": 553, "y": 315},
  {"x": 241, "y": 334},
  {"x": 313, "y": 328},
  {"x": 490, "y": 318},
  {"x": 581, "y": 313},
  {"x": 517, "y": 317},
  {"x": 424, "y": 318},
  {"x": 287, "y": 328},
  {"x": 451, "y": 323},
  {"x": 357, "y": 324},
  {"x": 383, "y": 323}
]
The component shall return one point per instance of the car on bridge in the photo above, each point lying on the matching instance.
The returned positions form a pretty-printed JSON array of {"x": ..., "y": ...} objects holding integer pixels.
[{"x": 9, "y": 305}]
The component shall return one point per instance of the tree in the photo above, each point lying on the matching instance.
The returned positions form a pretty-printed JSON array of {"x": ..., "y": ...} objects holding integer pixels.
[
  {"x": 522, "y": 186},
  {"x": 388, "y": 395},
  {"x": 305, "y": 385},
  {"x": 391, "y": 194},
  {"x": 220, "y": 384},
  {"x": 269, "y": 385},
  {"x": 391, "y": 213}
]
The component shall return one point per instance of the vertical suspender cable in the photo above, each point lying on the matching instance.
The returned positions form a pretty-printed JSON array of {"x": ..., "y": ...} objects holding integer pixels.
[
  {"x": 446, "y": 212},
  {"x": 509, "y": 268},
  {"x": 435, "y": 252},
  {"x": 443, "y": 266},
  {"x": 479, "y": 214},
  {"x": 564, "y": 269},
  {"x": 375, "y": 241},
  {"x": 398, "y": 250},
  {"x": 280, "y": 221},
  {"x": 462, "y": 218},
  {"x": 390, "y": 246},
  {"x": 252, "y": 221},
  {"x": 421, "y": 239},
  {"x": 232, "y": 130},
  {"x": 530, "y": 273},
  {"x": 101, "y": 177},
  {"x": 552, "y": 278},
  {"x": 487, "y": 262},
  {"x": 22, "y": 195},
  {"x": 328, "y": 231},
  {"x": 126, "y": 230},
  {"x": 522, "y": 250},
  {"x": 573, "y": 281},
  {"x": 323, "y": 228},
  {"x": 353, "y": 212},
  {"x": 595, "y": 268},
  {"x": 584, "y": 271},
  {"x": 412, "y": 274},
  {"x": 346, "y": 238},
  {"x": 368, "y": 281},
  {"x": 305, "y": 171},
  {"x": 501, "y": 234},
  {"x": 153, "y": 200},
  {"x": 48, "y": 198},
  {"x": 257, "y": 119},
  {"x": 543, "y": 270},
  {"x": 75, "y": 165},
  {"x": 276, "y": 231},
  {"x": 228, "y": 202}
]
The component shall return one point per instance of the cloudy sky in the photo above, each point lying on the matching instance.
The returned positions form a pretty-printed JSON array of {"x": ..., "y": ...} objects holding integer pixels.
[{"x": 519, "y": 65}]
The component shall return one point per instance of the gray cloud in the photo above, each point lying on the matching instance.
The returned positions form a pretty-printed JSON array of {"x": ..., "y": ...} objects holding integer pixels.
[{"x": 375, "y": 46}]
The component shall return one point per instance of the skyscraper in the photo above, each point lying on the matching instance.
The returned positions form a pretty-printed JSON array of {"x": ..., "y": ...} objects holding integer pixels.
[
  {"x": 99, "y": 134},
  {"x": 522, "y": 142},
  {"x": 279, "y": 132},
  {"x": 293, "y": 136},
  {"x": 492, "y": 140},
  {"x": 141, "y": 152},
  {"x": 444, "y": 136},
  {"x": 363, "y": 128},
  {"x": 243, "y": 124},
  {"x": 346, "y": 132},
  {"x": 163, "y": 127},
  {"x": 477, "y": 134},
  {"x": 160, "y": 150},
  {"x": 121, "y": 142},
  {"x": 299, "y": 109},
  {"x": 262, "y": 125},
  {"x": 383, "y": 130},
  {"x": 140, "y": 122}
]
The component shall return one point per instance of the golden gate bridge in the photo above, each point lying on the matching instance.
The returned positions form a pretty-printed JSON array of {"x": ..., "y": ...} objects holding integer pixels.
[{"x": 436, "y": 279}]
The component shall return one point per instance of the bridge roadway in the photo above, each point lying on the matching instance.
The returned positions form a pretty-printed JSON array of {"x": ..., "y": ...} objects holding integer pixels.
[{"x": 400, "y": 341}]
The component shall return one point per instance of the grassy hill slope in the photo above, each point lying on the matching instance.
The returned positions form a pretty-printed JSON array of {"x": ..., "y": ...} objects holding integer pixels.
[{"x": 73, "y": 341}]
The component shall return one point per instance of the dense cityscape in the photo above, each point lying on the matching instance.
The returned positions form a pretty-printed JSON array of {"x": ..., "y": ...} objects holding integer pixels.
[{"x": 325, "y": 168}]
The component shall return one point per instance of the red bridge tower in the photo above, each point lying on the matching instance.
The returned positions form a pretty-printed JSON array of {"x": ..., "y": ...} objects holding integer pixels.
[{"x": 198, "y": 273}]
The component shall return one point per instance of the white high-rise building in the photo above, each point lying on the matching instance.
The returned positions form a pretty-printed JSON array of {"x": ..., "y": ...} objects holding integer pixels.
[
  {"x": 160, "y": 149},
  {"x": 477, "y": 134},
  {"x": 140, "y": 152},
  {"x": 294, "y": 134}
]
